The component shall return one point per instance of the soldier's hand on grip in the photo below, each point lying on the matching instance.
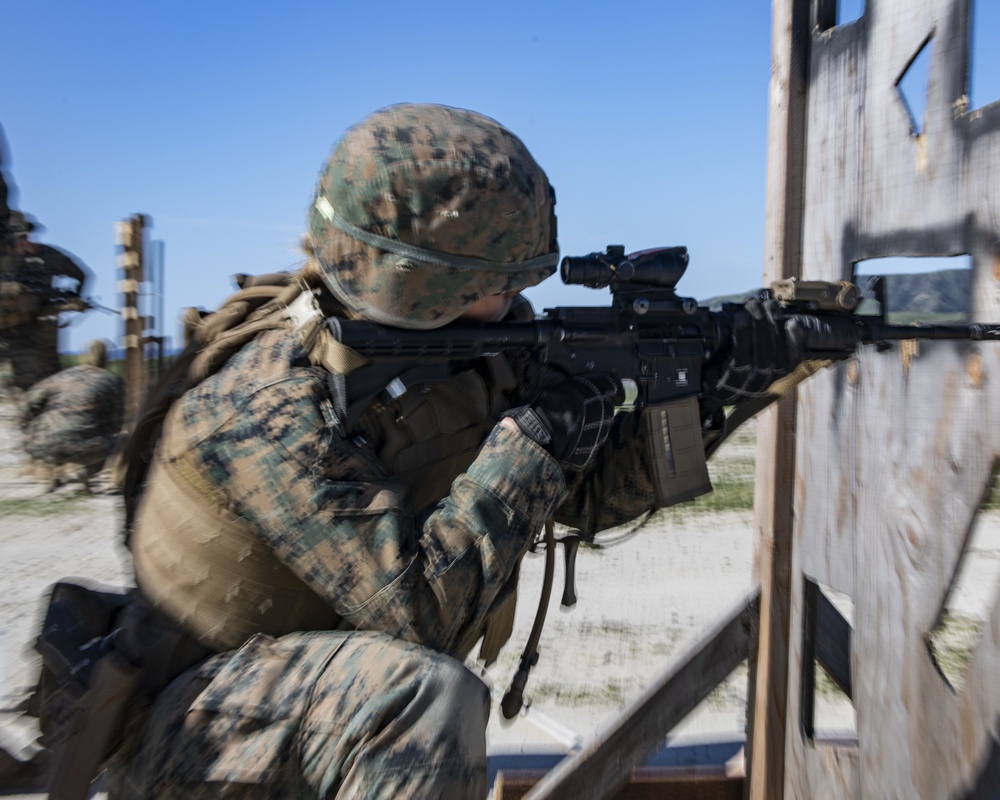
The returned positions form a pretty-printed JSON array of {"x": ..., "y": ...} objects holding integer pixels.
[
  {"x": 833, "y": 336},
  {"x": 762, "y": 350},
  {"x": 768, "y": 343},
  {"x": 572, "y": 419}
]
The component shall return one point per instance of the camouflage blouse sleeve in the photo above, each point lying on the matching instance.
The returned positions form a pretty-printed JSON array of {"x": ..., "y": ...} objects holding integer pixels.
[{"x": 333, "y": 515}]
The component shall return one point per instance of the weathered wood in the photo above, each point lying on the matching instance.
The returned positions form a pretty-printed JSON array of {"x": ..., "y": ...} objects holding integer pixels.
[
  {"x": 604, "y": 765},
  {"x": 893, "y": 454},
  {"x": 647, "y": 783},
  {"x": 768, "y": 701}
]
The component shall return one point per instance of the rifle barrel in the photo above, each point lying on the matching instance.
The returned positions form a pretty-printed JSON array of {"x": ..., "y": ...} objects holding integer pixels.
[{"x": 874, "y": 331}]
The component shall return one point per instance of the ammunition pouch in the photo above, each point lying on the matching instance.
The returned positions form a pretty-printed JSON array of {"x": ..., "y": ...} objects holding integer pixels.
[{"x": 103, "y": 653}]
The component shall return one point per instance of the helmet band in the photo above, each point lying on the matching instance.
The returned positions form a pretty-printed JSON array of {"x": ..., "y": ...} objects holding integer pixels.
[{"x": 422, "y": 255}]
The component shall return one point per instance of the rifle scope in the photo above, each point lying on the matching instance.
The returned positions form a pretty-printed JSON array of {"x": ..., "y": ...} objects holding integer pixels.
[{"x": 661, "y": 267}]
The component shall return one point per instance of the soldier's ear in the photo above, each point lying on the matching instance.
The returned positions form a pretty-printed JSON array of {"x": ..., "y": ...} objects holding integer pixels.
[{"x": 521, "y": 309}]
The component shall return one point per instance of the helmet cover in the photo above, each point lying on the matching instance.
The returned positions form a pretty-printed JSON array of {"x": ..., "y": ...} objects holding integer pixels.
[{"x": 422, "y": 210}]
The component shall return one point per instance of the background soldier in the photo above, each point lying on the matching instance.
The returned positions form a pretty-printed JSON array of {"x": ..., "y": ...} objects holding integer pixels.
[
  {"x": 340, "y": 548},
  {"x": 71, "y": 420},
  {"x": 37, "y": 283},
  {"x": 5, "y": 221}
]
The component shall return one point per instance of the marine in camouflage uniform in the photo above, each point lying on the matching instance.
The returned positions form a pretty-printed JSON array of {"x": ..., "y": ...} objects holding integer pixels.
[
  {"x": 31, "y": 302},
  {"x": 10, "y": 221},
  {"x": 72, "y": 419},
  {"x": 33, "y": 292},
  {"x": 343, "y": 552}
]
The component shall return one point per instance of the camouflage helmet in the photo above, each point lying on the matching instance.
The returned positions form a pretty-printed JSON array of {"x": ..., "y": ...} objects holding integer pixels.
[{"x": 422, "y": 210}]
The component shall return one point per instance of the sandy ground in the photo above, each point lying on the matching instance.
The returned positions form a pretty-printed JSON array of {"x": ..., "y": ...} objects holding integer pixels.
[{"x": 642, "y": 603}]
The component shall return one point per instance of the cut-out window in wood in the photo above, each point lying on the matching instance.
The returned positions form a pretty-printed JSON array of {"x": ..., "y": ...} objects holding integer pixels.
[
  {"x": 911, "y": 86},
  {"x": 919, "y": 289},
  {"x": 849, "y": 11},
  {"x": 827, "y": 705},
  {"x": 972, "y": 594},
  {"x": 834, "y": 13},
  {"x": 984, "y": 63}
]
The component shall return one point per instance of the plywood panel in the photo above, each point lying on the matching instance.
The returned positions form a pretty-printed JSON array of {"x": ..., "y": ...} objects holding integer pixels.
[{"x": 892, "y": 456}]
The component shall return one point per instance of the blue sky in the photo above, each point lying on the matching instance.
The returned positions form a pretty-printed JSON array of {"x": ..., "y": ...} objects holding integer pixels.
[{"x": 214, "y": 118}]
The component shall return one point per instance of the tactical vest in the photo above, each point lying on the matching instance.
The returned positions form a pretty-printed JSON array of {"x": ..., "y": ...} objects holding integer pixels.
[
  {"x": 430, "y": 435},
  {"x": 208, "y": 569}
]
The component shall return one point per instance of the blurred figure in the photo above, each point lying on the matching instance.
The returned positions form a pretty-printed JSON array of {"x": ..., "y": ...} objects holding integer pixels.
[
  {"x": 71, "y": 420},
  {"x": 5, "y": 221},
  {"x": 38, "y": 282}
]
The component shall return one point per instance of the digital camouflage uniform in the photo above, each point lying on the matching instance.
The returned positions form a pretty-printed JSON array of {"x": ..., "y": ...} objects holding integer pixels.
[
  {"x": 402, "y": 570},
  {"x": 74, "y": 417},
  {"x": 262, "y": 431}
]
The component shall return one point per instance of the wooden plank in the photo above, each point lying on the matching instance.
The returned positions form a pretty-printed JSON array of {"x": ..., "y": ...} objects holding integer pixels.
[
  {"x": 892, "y": 457},
  {"x": 647, "y": 783},
  {"x": 604, "y": 765},
  {"x": 773, "y": 500}
]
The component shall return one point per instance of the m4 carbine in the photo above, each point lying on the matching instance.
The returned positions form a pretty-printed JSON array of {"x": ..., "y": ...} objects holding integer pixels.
[{"x": 650, "y": 338}]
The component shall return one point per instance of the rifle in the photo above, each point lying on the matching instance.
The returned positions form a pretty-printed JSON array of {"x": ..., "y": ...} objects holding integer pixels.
[{"x": 652, "y": 339}]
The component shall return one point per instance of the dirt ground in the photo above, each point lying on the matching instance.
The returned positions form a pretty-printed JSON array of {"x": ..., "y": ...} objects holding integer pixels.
[{"x": 642, "y": 603}]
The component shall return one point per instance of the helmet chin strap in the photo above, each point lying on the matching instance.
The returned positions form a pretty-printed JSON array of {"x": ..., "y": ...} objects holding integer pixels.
[{"x": 423, "y": 256}]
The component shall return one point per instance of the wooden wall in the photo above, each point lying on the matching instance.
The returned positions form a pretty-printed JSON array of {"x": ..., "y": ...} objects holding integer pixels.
[{"x": 891, "y": 455}]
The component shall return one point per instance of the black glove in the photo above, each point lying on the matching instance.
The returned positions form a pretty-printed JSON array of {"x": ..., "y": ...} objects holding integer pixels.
[
  {"x": 824, "y": 337},
  {"x": 760, "y": 353},
  {"x": 768, "y": 343},
  {"x": 572, "y": 419}
]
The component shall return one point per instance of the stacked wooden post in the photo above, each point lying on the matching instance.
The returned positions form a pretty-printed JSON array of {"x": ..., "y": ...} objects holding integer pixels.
[{"x": 130, "y": 235}]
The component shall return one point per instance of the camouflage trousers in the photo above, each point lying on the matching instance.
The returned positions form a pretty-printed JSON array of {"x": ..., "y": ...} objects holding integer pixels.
[
  {"x": 48, "y": 439},
  {"x": 332, "y": 714}
]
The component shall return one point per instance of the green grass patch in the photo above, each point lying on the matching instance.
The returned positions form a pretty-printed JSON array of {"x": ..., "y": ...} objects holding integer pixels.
[
  {"x": 67, "y": 360},
  {"x": 992, "y": 502},
  {"x": 952, "y": 644},
  {"x": 909, "y": 317},
  {"x": 727, "y": 495},
  {"x": 47, "y": 506},
  {"x": 732, "y": 474},
  {"x": 612, "y": 691}
]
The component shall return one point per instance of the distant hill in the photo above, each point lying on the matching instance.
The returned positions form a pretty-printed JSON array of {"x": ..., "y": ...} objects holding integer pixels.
[{"x": 945, "y": 292}]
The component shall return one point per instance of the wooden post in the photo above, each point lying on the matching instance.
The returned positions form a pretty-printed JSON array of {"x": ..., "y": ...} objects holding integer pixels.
[
  {"x": 895, "y": 448},
  {"x": 604, "y": 765},
  {"x": 130, "y": 236},
  {"x": 773, "y": 501}
]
